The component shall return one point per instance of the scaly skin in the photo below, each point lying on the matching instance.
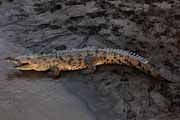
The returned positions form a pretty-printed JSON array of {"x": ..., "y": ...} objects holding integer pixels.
[{"x": 76, "y": 59}]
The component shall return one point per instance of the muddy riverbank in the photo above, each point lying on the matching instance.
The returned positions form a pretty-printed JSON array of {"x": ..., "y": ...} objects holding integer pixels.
[
  {"x": 149, "y": 28},
  {"x": 34, "y": 96}
]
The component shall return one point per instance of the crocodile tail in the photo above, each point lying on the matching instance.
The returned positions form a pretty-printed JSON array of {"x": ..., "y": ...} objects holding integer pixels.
[{"x": 150, "y": 70}]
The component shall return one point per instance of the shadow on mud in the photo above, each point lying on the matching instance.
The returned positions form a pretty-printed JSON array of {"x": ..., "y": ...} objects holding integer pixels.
[{"x": 34, "y": 75}]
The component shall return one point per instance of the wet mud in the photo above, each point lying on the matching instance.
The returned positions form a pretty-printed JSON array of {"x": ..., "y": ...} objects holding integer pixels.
[{"x": 113, "y": 92}]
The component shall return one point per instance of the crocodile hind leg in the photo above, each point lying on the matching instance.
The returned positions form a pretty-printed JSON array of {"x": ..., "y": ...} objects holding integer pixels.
[{"x": 89, "y": 62}]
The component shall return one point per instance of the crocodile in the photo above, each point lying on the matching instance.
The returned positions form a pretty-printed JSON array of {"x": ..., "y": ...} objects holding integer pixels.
[{"x": 85, "y": 58}]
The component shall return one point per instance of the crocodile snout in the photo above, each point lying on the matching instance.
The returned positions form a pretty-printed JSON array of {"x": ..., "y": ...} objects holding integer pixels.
[{"x": 15, "y": 61}]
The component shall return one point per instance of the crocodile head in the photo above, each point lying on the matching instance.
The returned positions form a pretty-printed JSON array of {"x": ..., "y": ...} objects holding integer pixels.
[{"x": 30, "y": 62}]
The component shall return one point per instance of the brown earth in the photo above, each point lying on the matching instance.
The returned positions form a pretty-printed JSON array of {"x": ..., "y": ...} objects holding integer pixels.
[{"x": 147, "y": 27}]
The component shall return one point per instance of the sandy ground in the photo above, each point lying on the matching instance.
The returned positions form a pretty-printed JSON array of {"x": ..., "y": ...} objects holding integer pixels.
[{"x": 147, "y": 27}]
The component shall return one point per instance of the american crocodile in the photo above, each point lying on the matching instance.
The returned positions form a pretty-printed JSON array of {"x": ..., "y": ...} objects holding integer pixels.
[{"x": 85, "y": 58}]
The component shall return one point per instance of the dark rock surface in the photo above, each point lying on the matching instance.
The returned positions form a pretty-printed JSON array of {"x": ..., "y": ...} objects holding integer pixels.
[{"x": 148, "y": 27}]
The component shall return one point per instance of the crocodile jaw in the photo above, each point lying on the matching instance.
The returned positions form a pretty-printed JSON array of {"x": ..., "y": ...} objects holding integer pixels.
[
  {"x": 20, "y": 65},
  {"x": 26, "y": 67}
]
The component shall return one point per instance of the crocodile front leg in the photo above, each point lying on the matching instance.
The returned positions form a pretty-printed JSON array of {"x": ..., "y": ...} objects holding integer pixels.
[{"x": 54, "y": 72}]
